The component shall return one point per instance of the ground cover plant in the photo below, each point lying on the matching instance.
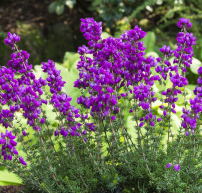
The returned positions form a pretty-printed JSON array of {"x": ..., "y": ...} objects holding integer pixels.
[{"x": 92, "y": 146}]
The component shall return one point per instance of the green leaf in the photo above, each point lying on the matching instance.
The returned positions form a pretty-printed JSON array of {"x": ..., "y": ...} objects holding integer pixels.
[
  {"x": 68, "y": 55},
  {"x": 105, "y": 35},
  {"x": 70, "y": 3},
  {"x": 191, "y": 87},
  {"x": 70, "y": 77},
  {"x": 117, "y": 14},
  {"x": 149, "y": 41},
  {"x": 70, "y": 59},
  {"x": 195, "y": 65},
  {"x": 59, "y": 9},
  {"x": 52, "y": 7},
  {"x": 9, "y": 177},
  {"x": 107, "y": 16},
  {"x": 153, "y": 54}
]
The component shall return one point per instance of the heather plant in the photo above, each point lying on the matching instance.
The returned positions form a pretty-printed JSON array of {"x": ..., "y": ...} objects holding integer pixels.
[{"x": 90, "y": 148}]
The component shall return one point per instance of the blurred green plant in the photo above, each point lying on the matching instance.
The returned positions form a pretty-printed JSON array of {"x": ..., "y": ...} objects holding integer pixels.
[{"x": 58, "y": 6}]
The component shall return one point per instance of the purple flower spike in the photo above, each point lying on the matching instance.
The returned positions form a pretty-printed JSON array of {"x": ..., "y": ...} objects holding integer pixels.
[
  {"x": 184, "y": 23},
  {"x": 168, "y": 165},
  {"x": 177, "y": 167}
]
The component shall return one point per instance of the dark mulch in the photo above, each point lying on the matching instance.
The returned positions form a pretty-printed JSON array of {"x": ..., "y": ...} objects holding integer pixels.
[{"x": 11, "y": 189}]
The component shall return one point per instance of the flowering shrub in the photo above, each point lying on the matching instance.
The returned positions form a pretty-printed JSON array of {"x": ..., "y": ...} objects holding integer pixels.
[{"x": 90, "y": 148}]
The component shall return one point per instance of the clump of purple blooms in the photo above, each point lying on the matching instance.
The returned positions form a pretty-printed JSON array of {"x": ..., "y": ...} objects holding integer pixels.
[{"x": 117, "y": 71}]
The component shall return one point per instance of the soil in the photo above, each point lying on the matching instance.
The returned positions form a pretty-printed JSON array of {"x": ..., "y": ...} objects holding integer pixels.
[
  {"x": 36, "y": 11},
  {"x": 11, "y": 189}
]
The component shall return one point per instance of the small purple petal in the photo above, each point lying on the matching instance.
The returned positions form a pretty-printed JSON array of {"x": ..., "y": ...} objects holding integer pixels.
[
  {"x": 168, "y": 165},
  {"x": 177, "y": 167},
  {"x": 123, "y": 94},
  {"x": 42, "y": 120},
  {"x": 187, "y": 133},
  {"x": 2, "y": 141},
  {"x": 10, "y": 157},
  {"x": 141, "y": 124},
  {"x": 24, "y": 133},
  {"x": 113, "y": 118},
  {"x": 131, "y": 110},
  {"x": 159, "y": 119},
  {"x": 152, "y": 123},
  {"x": 173, "y": 110}
]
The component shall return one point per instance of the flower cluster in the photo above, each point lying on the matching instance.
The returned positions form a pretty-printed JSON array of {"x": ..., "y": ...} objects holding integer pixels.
[
  {"x": 118, "y": 72},
  {"x": 12, "y": 39},
  {"x": 54, "y": 79},
  {"x": 8, "y": 146},
  {"x": 176, "y": 166},
  {"x": 91, "y": 29},
  {"x": 184, "y": 23},
  {"x": 61, "y": 101}
]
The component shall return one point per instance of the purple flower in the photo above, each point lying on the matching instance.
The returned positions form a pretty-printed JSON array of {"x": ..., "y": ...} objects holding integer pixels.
[
  {"x": 164, "y": 113},
  {"x": 159, "y": 119},
  {"x": 42, "y": 120},
  {"x": 152, "y": 123},
  {"x": 200, "y": 70},
  {"x": 184, "y": 23},
  {"x": 141, "y": 124},
  {"x": 24, "y": 133},
  {"x": 113, "y": 118},
  {"x": 177, "y": 167},
  {"x": 12, "y": 142},
  {"x": 131, "y": 110},
  {"x": 10, "y": 157},
  {"x": 22, "y": 161},
  {"x": 173, "y": 110},
  {"x": 2, "y": 141},
  {"x": 84, "y": 132},
  {"x": 123, "y": 94},
  {"x": 168, "y": 165},
  {"x": 187, "y": 133},
  {"x": 12, "y": 39},
  {"x": 56, "y": 133}
]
